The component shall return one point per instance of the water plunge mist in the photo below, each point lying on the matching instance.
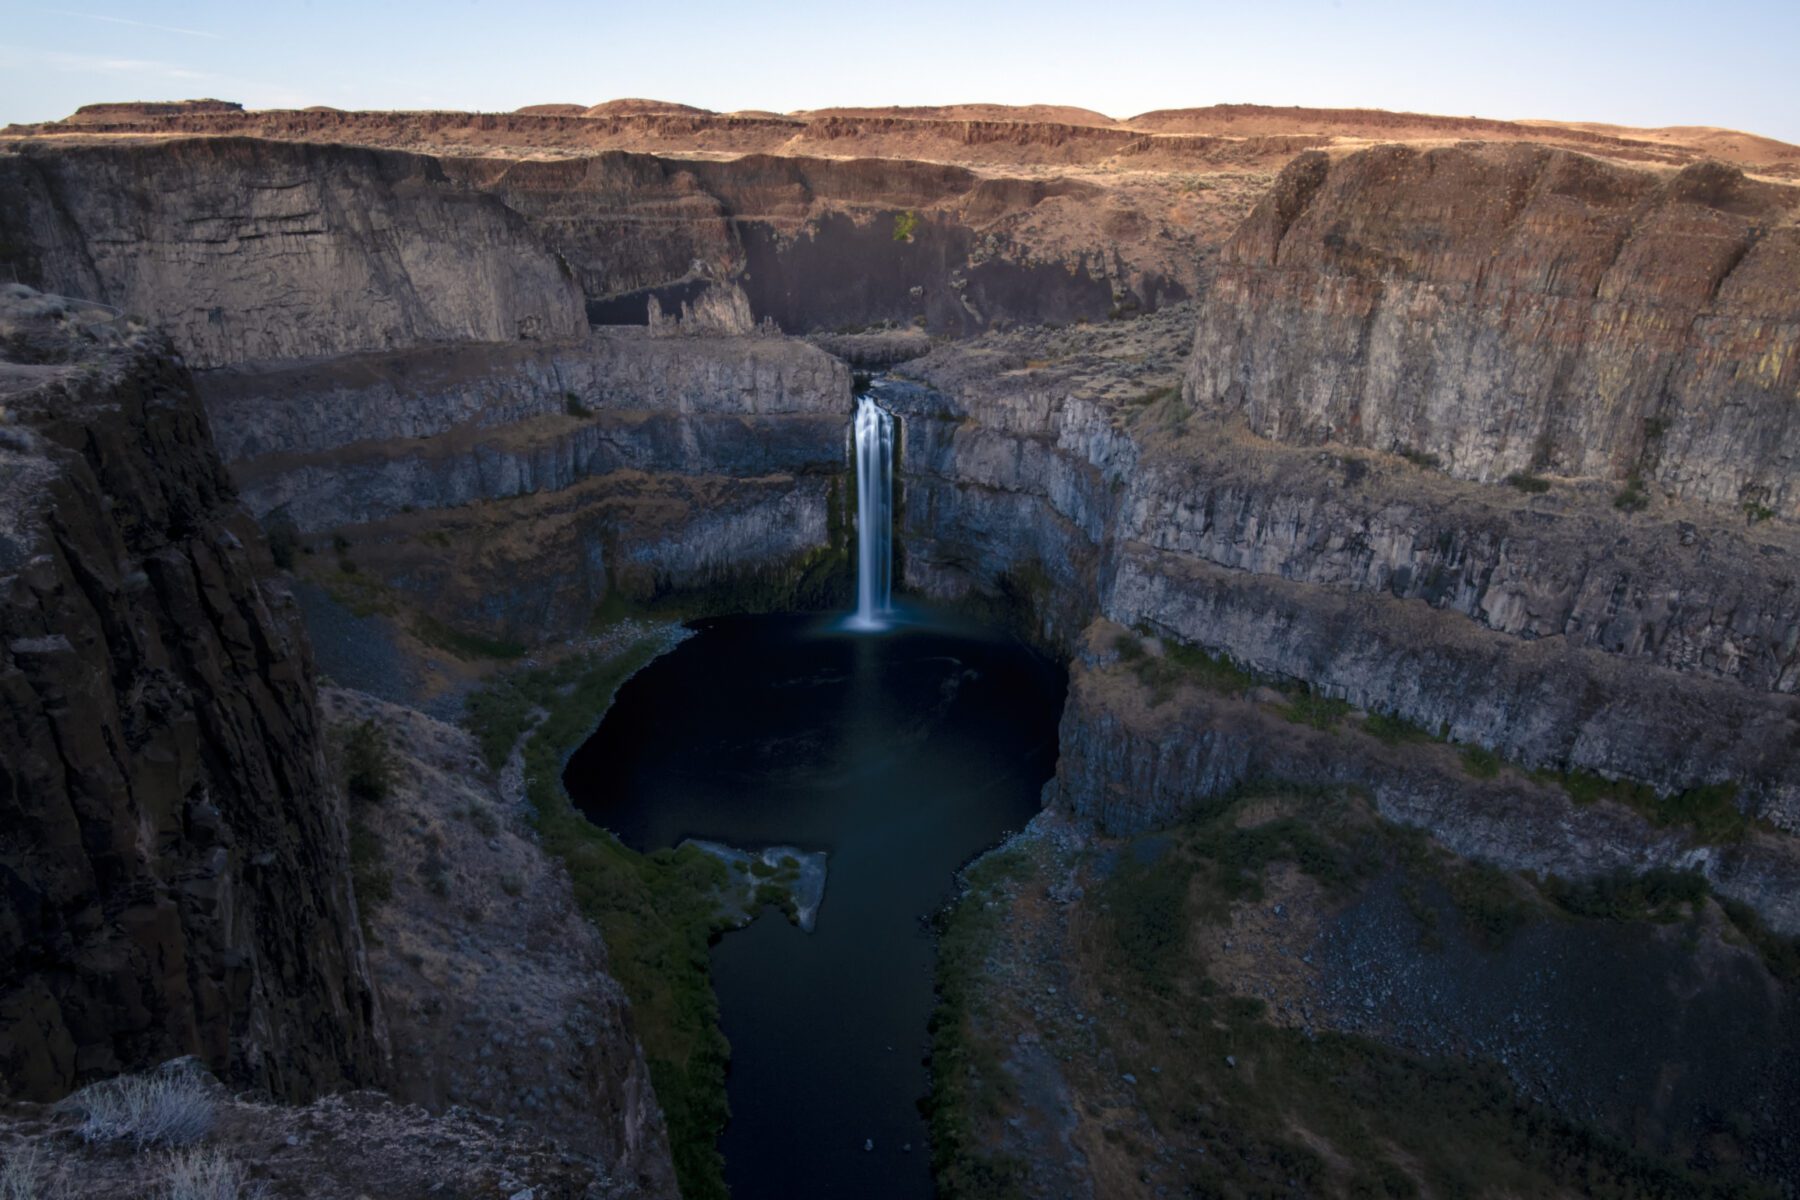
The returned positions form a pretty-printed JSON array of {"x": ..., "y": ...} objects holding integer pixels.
[{"x": 874, "y": 515}]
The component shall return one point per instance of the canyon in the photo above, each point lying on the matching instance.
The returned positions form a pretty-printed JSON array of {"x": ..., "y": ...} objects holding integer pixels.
[{"x": 1446, "y": 464}]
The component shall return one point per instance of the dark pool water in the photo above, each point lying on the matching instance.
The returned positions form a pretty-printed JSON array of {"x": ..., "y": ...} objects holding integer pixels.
[{"x": 901, "y": 755}]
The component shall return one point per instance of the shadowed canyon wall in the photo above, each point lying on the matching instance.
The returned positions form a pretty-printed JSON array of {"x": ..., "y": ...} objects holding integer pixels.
[{"x": 173, "y": 849}]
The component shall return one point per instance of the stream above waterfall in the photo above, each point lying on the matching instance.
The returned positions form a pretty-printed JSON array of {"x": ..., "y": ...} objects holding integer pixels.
[{"x": 900, "y": 757}]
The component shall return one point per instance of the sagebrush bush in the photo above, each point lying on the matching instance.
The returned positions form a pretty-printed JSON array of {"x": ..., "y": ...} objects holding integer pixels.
[
  {"x": 368, "y": 764},
  {"x": 23, "y": 1176},
  {"x": 163, "y": 1109},
  {"x": 207, "y": 1175}
]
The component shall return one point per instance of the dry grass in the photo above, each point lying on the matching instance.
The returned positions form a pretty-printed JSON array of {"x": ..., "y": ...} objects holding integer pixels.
[
  {"x": 24, "y": 1176},
  {"x": 162, "y": 1109},
  {"x": 207, "y": 1175}
]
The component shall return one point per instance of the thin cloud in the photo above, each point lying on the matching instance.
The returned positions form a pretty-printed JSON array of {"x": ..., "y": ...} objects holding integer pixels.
[
  {"x": 97, "y": 64},
  {"x": 199, "y": 33}
]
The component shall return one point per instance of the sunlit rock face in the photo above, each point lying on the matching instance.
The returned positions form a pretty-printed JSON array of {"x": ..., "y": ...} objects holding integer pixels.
[
  {"x": 1517, "y": 308},
  {"x": 243, "y": 249}
]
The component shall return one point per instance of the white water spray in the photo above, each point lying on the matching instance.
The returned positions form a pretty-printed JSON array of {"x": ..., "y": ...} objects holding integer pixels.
[{"x": 874, "y": 515}]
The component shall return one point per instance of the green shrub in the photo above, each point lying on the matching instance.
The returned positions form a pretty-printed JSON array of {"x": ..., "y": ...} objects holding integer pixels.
[
  {"x": 1394, "y": 730},
  {"x": 284, "y": 540},
  {"x": 1481, "y": 762},
  {"x": 1710, "y": 810},
  {"x": 1632, "y": 497},
  {"x": 905, "y": 225},
  {"x": 574, "y": 407},
  {"x": 1488, "y": 900},
  {"x": 1526, "y": 482},
  {"x": 370, "y": 880},
  {"x": 1310, "y": 708},
  {"x": 1150, "y": 918},
  {"x": 466, "y": 646},
  {"x": 368, "y": 764},
  {"x": 1656, "y": 895}
]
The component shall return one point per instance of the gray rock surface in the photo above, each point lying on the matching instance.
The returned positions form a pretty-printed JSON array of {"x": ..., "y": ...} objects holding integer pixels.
[
  {"x": 174, "y": 847},
  {"x": 245, "y": 249}
]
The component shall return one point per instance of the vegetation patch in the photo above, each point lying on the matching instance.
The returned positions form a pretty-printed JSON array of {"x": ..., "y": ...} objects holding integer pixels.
[
  {"x": 367, "y": 767},
  {"x": 1481, "y": 762},
  {"x": 657, "y": 911},
  {"x": 1397, "y": 730},
  {"x": 466, "y": 646},
  {"x": 1632, "y": 497},
  {"x": 1180, "y": 663},
  {"x": 1710, "y": 810},
  {"x": 968, "y": 1082},
  {"x": 1533, "y": 485},
  {"x": 1280, "y": 1111},
  {"x": 1658, "y": 895},
  {"x": 905, "y": 225},
  {"x": 1310, "y": 708}
]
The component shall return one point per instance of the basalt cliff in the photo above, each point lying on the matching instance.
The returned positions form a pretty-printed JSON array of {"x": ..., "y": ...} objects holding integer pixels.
[
  {"x": 1449, "y": 464},
  {"x": 175, "y": 848}
]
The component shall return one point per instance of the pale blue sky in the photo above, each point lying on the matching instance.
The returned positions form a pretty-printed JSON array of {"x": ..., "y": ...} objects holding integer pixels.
[{"x": 1729, "y": 62}]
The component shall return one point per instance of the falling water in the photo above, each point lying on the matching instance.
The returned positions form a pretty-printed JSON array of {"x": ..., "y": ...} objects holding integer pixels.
[{"x": 874, "y": 515}]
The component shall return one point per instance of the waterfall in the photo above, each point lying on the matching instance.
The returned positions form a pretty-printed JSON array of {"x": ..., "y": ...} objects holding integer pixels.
[{"x": 874, "y": 515}]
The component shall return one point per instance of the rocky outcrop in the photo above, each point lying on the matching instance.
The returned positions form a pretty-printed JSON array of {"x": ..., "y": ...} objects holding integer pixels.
[
  {"x": 1516, "y": 309},
  {"x": 173, "y": 848},
  {"x": 496, "y": 987},
  {"x": 515, "y": 487},
  {"x": 1134, "y": 759},
  {"x": 355, "y": 440},
  {"x": 244, "y": 249},
  {"x": 830, "y": 243},
  {"x": 1059, "y": 475}
]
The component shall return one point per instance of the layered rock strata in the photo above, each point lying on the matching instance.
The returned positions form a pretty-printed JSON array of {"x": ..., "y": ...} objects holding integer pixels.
[
  {"x": 1519, "y": 309},
  {"x": 244, "y": 249},
  {"x": 1059, "y": 474},
  {"x": 514, "y": 486}
]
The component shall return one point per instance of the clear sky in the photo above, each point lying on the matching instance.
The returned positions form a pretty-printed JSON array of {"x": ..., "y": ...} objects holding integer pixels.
[{"x": 1729, "y": 62}]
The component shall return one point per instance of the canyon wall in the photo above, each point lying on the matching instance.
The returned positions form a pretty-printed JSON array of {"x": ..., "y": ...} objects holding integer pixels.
[
  {"x": 1057, "y": 475},
  {"x": 515, "y": 487},
  {"x": 174, "y": 850},
  {"x": 1519, "y": 309},
  {"x": 820, "y": 243},
  {"x": 244, "y": 249}
]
